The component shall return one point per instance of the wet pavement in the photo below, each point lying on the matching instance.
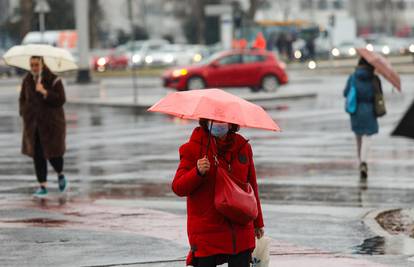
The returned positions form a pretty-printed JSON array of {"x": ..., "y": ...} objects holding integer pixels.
[{"x": 120, "y": 163}]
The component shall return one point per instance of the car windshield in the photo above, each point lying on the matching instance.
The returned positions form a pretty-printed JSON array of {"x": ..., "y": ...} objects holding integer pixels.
[{"x": 210, "y": 59}]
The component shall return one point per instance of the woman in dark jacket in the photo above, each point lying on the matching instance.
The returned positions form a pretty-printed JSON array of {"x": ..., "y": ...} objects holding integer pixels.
[
  {"x": 44, "y": 128},
  {"x": 214, "y": 239},
  {"x": 364, "y": 121}
]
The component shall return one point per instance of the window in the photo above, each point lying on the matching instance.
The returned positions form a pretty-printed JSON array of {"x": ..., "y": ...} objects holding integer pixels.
[
  {"x": 232, "y": 59},
  {"x": 338, "y": 4},
  {"x": 322, "y": 4},
  {"x": 253, "y": 58}
]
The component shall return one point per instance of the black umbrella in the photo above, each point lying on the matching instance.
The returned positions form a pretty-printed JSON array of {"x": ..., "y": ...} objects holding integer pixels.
[{"x": 406, "y": 126}]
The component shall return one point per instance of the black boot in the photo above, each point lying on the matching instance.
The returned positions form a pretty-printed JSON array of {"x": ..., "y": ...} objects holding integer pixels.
[{"x": 363, "y": 171}]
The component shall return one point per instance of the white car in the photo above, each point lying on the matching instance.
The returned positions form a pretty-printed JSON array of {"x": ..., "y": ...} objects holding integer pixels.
[
  {"x": 347, "y": 49},
  {"x": 176, "y": 55},
  {"x": 140, "y": 51}
]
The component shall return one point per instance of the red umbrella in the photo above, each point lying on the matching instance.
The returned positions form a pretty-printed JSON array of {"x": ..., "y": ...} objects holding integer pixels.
[
  {"x": 382, "y": 66},
  {"x": 215, "y": 104}
]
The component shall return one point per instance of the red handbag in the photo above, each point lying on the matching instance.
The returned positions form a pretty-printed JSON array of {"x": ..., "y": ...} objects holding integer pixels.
[{"x": 234, "y": 199}]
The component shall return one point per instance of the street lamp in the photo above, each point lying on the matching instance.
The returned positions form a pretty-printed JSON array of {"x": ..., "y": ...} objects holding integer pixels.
[
  {"x": 134, "y": 73},
  {"x": 42, "y": 7},
  {"x": 82, "y": 28}
]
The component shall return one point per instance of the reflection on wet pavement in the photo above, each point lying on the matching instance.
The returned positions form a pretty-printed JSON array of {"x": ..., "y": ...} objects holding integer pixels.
[
  {"x": 38, "y": 222},
  {"x": 371, "y": 246},
  {"x": 124, "y": 154}
]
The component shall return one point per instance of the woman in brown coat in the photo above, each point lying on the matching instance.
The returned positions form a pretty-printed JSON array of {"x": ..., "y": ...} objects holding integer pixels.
[{"x": 44, "y": 128}]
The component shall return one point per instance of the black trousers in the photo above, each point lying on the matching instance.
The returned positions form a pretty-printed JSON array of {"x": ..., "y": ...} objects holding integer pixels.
[
  {"x": 239, "y": 260},
  {"x": 40, "y": 163}
]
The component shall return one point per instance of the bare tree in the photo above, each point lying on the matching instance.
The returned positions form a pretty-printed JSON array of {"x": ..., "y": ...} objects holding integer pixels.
[
  {"x": 254, "y": 4},
  {"x": 26, "y": 13},
  {"x": 198, "y": 13}
]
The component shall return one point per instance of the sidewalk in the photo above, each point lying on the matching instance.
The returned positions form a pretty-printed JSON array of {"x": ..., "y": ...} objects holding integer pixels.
[{"x": 74, "y": 234}]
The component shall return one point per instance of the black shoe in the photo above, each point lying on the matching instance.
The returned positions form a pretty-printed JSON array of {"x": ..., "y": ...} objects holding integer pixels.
[{"x": 363, "y": 171}]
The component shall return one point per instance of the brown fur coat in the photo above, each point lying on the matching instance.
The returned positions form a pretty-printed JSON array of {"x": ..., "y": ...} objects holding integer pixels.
[{"x": 45, "y": 115}]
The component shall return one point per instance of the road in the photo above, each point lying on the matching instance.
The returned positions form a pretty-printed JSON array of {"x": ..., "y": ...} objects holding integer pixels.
[{"x": 120, "y": 164}]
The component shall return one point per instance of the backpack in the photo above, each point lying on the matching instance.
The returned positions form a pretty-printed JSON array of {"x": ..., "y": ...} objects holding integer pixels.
[{"x": 351, "y": 98}]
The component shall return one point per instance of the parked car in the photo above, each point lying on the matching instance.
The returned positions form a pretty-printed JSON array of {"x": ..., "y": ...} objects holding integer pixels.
[{"x": 257, "y": 69}]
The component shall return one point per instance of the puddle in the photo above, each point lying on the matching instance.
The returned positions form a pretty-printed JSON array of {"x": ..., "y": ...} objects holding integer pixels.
[
  {"x": 371, "y": 246},
  {"x": 129, "y": 190},
  {"x": 39, "y": 222},
  {"x": 394, "y": 245}
]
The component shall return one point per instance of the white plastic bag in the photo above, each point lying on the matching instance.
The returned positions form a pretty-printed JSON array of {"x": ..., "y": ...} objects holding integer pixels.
[{"x": 261, "y": 254}]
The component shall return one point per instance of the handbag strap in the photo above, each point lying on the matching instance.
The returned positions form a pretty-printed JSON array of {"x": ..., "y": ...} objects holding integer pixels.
[
  {"x": 216, "y": 157},
  {"x": 376, "y": 84}
]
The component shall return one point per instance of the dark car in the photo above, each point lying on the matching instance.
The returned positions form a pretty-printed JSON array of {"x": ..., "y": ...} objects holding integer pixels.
[
  {"x": 256, "y": 69},
  {"x": 5, "y": 70}
]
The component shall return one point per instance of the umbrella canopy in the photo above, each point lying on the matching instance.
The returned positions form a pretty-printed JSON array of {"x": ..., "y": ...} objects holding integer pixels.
[
  {"x": 215, "y": 104},
  {"x": 382, "y": 66},
  {"x": 405, "y": 127},
  {"x": 57, "y": 59}
]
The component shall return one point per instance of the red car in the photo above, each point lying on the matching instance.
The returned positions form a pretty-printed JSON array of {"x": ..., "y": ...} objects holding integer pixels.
[
  {"x": 257, "y": 69},
  {"x": 117, "y": 60}
]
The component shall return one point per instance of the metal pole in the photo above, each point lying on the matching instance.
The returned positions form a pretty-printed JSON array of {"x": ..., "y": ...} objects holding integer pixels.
[
  {"x": 42, "y": 7},
  {"x": 134, "y": 73},
  {"x": 82, "y": 27},
  {"x": 42, "y": 26}
]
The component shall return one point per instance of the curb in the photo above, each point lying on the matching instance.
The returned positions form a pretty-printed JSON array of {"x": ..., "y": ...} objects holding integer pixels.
[
  {"x": 145, "y": 106},
  {"x": 370, "y": 220}
]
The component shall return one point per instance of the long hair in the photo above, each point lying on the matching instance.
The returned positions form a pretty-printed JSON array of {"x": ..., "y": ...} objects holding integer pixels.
[{"x": 365, "y": 64}]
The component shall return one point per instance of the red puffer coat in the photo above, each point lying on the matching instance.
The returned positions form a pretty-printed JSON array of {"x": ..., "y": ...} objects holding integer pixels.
[{"x": 209, "y": 232}]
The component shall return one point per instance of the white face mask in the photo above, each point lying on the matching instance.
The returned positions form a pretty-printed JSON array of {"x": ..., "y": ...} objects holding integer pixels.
[{"x": 219, "y": 129}]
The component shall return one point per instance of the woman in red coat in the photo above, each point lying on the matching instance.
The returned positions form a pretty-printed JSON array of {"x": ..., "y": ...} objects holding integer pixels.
[{"x": 213, "y": 238}]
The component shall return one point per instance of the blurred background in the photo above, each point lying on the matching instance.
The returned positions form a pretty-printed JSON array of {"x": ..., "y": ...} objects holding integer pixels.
[{"x": 162, "y": 33}]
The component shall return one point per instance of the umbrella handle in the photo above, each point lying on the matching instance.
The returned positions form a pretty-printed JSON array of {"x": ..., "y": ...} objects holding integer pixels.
[{"x": 209, "y": 137}]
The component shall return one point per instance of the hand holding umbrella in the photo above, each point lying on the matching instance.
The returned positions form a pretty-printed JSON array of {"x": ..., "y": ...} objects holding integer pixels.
[
  {"x": 40, "y": 89},
  {"x": 203, "y": 165}
]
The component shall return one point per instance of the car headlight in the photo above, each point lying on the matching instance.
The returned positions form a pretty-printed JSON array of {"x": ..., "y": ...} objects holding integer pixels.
[
  {"x": 411, "y": 48},
  {"x": 197, "y": 57},
  {"x": 386, "y": 50},
  {"x": 179, "y": 72},
  {"x": 312, "y": 65},
  {"x": 352, "y": 51},
  {"x": 136, "y": 59},
  {"x": 369, "y": 47},
  {"x": 149, "y": 59},
  {"x": 335, "y": 52},
  {"x": 169, "y": 59},
  {"x": 101, "y": 61},
  {"x": 298, "y": 54}
]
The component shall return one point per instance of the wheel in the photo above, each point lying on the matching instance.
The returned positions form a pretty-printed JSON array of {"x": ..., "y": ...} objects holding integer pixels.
[
  {"x": 270, "y": 83},
  {"x": 195, "y": 83}
]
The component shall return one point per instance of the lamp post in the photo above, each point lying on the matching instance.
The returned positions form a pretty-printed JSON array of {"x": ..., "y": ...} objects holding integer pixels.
[
  {"x": 42, "y": 7},
  {"x": 134, "y": 71},
  {"x": 82, "y": 28}
]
